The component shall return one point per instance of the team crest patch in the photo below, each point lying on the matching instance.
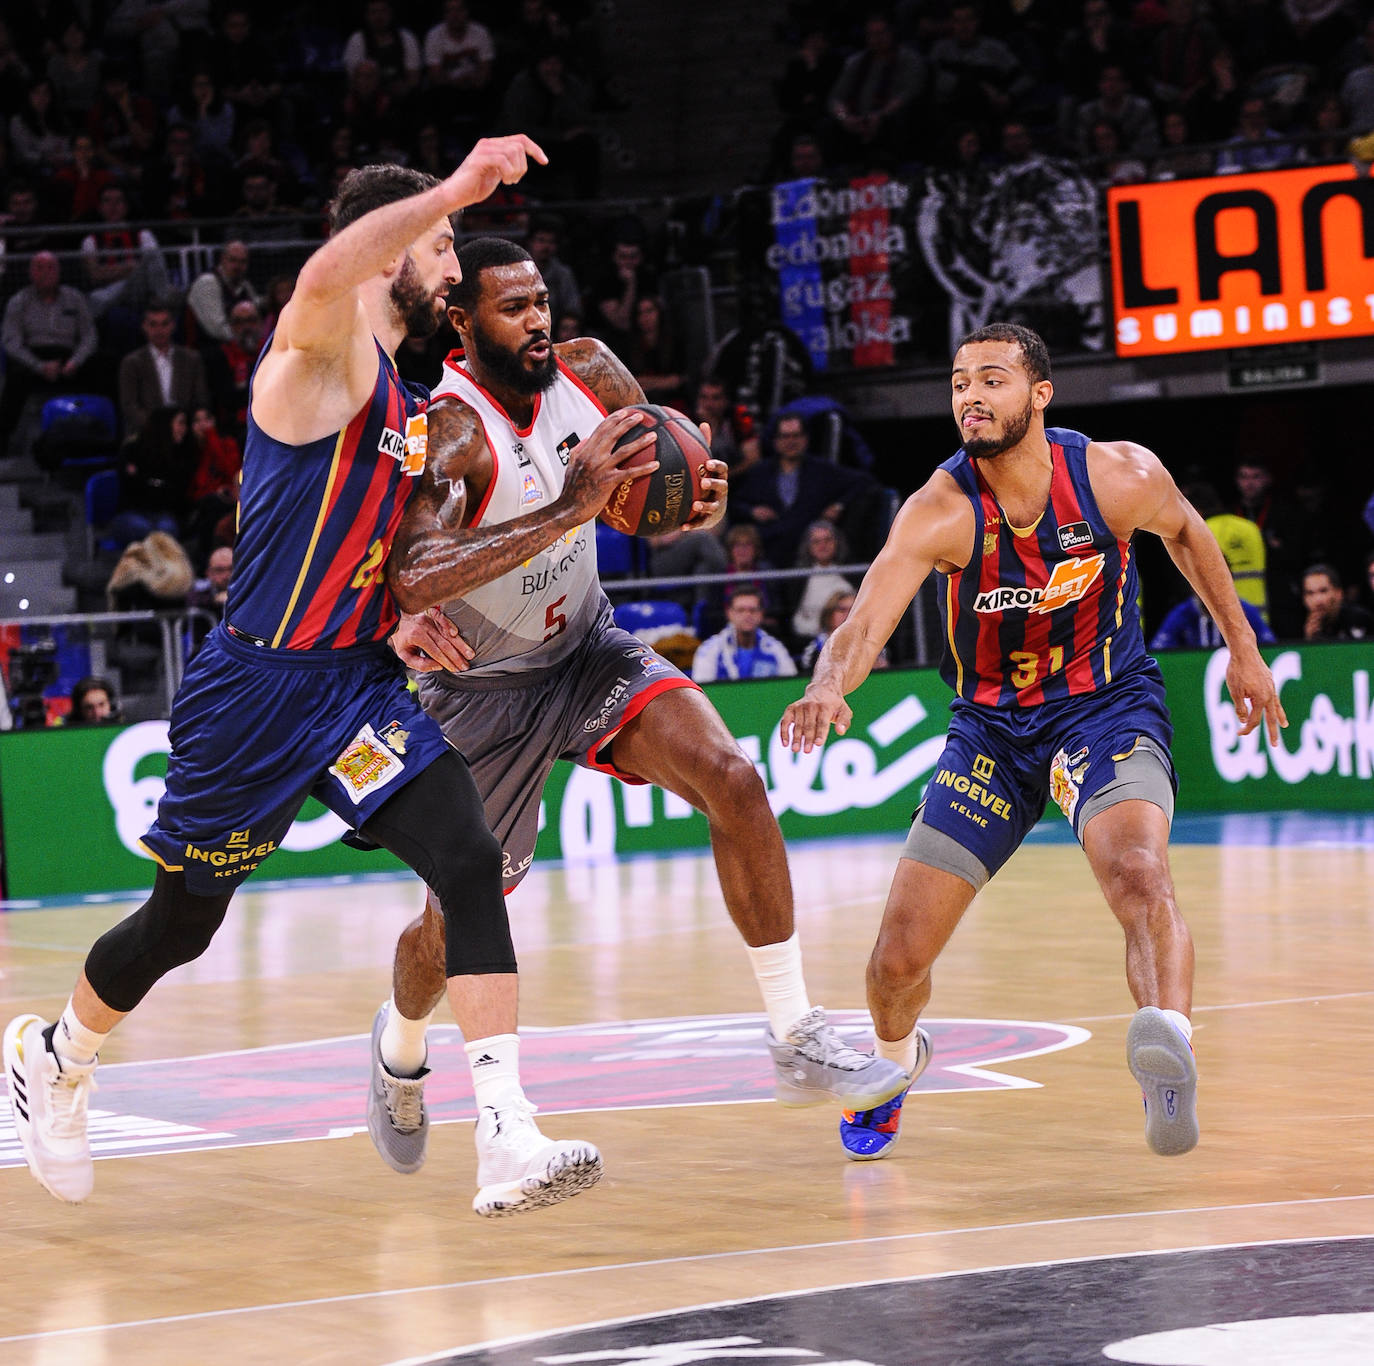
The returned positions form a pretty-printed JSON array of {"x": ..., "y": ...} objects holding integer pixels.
[
  {"x": 366, "y": 765},
  {"x": 990, "y": 539},
  {"x": 565, "y": 446},
  {"x": 395, "y": 736},
  {"x": 529, "y": 491},
  {"x": 1066, "y": 777}
]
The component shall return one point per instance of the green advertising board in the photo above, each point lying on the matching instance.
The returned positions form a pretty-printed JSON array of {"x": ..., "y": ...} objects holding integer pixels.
[{"x": 76, "y": 801}]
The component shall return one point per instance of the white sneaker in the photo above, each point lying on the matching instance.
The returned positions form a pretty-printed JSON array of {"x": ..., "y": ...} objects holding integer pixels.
[
  {"x": 813, "y": 1064},
  {"x": 49, "y": 1098},
  {"x": 1161, "y": 1060},
  {"x": 519, "y": 1169}
]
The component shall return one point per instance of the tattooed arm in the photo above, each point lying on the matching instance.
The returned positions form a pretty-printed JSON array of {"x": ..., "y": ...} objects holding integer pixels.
[
  {"x": 598, "y": 367},
  {"x": 435, "y": 558}
]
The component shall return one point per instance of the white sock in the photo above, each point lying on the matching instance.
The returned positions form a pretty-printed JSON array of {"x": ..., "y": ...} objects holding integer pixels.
[
  {"x": 778, "y": 970},
  {"x": 403, "y": 1043},
  {"x": 1180, "y": 1022},
  {"x": 900, "y": 1051},
  {"x": 73, "y": 1042},
  {"x": 495, "y": 1063}
]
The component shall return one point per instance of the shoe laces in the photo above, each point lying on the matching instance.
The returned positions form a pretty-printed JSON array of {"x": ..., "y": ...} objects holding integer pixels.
[
  {"x": 68, "y": 1094},
  {"x": 515, "y": 1126},
  {"x": 817, "y": 1040},
  {"x": 404, "y": 1101},
  {"x": 879, "y": 1115}
]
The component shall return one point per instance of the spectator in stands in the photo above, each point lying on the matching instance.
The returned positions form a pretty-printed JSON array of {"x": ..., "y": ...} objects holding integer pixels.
[
  {"x": 1111, "y": 164},
  {"x": 229, "y": 367},
  {"x": 393, "y": 49},
  {"x": 278, "y": 294},
  {"x": 1357, "y": 89},
  {"x": 1254, "y": 146},
  {"x": 567, "y": 326},
  {"x": 39, "y": 140},
  {"x": 806, "y": 158},
  {"x": 211, "y": 592},
  {"x": 874, "y": 98},
  {"x": 565, "y": 295},
  {"x": 1329, "y": 615},
  {"x": 743, "y": 649},
  {"x": 1178, "y": 159},
  {"x": 686, "y": 554},
  {"x": 178, "y": 184},
  {"x": 783, "y": 495},
  {"x": 245, "y": 68},
  {"x": 822, "y": 550},
  {"x": 977, "y": 79},
  {"x": 807, "y": 80},
  {"x": 214, "y": 294},
  {"x": 93, "y": 703},
  {"x": 554, "y": 106},
  {"x": 1241, "y": 541},
  {"x": 836, "y": 610},
  {"x": 123, "y": 124},
  {"x": 21, "y": 226},
  {"x": 1331, "y": 124},
  {"x": 653, "y": 356},
  {"x": 258, "y": 216},
  {"x": 1102, "y": 40},
  {"x": 1116, "y": 104},
  {"x": 79, "y": 184},
  {"x": 1188, "y": 625},
  {"x": 616, "y": 291},
  {"x": 259, "y": 153},
  {"x": 155, "y": 475},
  {"x": 164, "y": 34},
  {"x": 48, "y": 335},
  {"x": 209, "y": 116},
  {"x": 734, "y": 441},
  {"x": 124, "y": 269},
  {"x": 1182, "y": 51},
  {"x": 14, "y": 70},
  {"x": 214, "y": 488},
  {"x": 1282, "y": 561},
  {"x": 160, "y": 374},
  {"x": 459, "y": 58},
  {"x": 370, "y": 112}
]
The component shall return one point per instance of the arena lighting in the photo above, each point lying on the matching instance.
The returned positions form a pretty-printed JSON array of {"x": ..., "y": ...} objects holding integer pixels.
[{"x": 1242, "y": 260}]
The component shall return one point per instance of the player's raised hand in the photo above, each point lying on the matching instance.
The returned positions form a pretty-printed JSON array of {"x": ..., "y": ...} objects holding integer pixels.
[
  {"x": 428, "y": 641},
  {"x": 492, "y": 162},
  {"x": 807, "y": 722},
  {"x": 1254, "y": 694},
  {"x": 597, "y": 466}
]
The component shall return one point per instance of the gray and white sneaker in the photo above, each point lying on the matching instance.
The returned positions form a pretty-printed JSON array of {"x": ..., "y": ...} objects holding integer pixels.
[
  {"x": 813, "y": 1064},
  {"x": 49, "y": 1098},
  {"x": 1161, "y": 1060},
  {"x": 519, "y": 1169},
  {"x": 396, "y": 1114}
]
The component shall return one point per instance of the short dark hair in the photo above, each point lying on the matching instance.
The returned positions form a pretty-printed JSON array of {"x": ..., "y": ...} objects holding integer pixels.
[
  {"x": 1035, "y": 354},
  {"x": 475, "y": 256},
  {"x": 370, "y": 187},
  {"x": 1329, "y": 570},
  {"x": 742, "y": 592}
]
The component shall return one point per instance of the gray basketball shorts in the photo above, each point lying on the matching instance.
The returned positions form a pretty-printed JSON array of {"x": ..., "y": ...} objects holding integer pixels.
[{"x": 512, "y": 729}]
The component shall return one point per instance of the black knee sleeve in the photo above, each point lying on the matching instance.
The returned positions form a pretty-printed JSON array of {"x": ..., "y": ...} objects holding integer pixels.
[
  {"x": 171, "y": 928},
  {"x": 436, "y": 825}
]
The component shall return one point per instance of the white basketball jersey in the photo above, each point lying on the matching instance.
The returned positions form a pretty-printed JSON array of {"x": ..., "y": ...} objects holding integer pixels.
[{"x": 537, "y": 613}]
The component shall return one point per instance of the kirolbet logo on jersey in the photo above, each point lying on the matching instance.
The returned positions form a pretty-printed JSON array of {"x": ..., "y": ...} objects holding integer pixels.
[
  {"x": 411, "y": 448},
  {"x": 1068, "y": 583}
]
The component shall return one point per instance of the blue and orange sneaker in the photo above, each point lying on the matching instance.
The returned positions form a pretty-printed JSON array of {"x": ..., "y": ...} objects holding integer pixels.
[{"x": 867, "y": 1135}]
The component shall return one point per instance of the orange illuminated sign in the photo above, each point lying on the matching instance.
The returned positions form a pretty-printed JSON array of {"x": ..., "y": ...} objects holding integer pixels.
[{"x": 1242, "y": 260}]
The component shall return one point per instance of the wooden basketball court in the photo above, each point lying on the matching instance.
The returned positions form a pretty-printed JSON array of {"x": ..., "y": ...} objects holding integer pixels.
[{"x": 313, "y": 1251}]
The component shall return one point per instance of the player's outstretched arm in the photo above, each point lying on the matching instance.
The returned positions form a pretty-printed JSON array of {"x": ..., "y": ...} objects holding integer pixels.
[
  {"x": 934, "y": 526},
  {"x": 435, "y": 558},
  {"x": 1136, "y": 492}
]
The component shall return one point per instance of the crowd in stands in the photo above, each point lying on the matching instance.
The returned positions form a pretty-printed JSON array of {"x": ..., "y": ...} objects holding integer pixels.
[
  {"x": 127, "y": 128},
  {"x": 1137, "y": 89}
]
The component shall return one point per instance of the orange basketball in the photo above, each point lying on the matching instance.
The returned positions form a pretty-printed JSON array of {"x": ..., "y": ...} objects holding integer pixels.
[{"x": 663, "y": 500}]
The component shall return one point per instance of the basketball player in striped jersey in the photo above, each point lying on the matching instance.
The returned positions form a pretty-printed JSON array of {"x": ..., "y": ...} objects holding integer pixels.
[
  {"x": 502, "y": 534},
  {"x": 295, "y": 693},
  {"x": 1029, "y": 530}
]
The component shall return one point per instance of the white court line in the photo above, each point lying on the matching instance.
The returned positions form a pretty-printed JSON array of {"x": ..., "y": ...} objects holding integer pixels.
[
  {"x": 723, "y": 1256},
  {"x": 1237, "y": 1005}
]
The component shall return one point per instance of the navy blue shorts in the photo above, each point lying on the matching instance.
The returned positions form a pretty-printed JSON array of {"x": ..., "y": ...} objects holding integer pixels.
[
  {"x": 1001, "y": 766},
  {"x": 255, "y": 732}
]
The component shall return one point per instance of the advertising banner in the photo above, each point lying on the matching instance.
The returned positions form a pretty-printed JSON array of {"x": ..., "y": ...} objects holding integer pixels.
[
  {"x": 76, "y": 801},
  {"x": 1242, "y": 260}
]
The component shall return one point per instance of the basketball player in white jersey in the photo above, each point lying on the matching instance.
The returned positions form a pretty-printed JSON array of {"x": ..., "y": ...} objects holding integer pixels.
[{"x": 502, "y": 533}]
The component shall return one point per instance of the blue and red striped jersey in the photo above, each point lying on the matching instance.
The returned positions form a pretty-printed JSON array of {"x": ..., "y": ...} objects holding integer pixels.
[
  {"x": 1045, "y": 612},
  {"x": 316, "y": 523}
]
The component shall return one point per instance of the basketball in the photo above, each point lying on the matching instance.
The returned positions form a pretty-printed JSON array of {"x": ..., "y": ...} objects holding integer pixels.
[{"x": 663, "y": 500}]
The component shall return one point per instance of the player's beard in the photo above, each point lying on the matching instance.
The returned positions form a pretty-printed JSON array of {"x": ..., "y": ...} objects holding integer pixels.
[
  {"x": 415, "y": 305},
  {"x": 508, "y": 367},
  {"x": 1013, "y": 430}
]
